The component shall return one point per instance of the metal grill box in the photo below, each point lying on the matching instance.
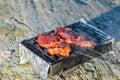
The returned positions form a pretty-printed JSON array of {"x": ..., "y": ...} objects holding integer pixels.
[{"x": 45, "y": 64}]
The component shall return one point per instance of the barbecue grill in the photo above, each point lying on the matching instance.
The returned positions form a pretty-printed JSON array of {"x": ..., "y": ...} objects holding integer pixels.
[{"x": 45, "y": 64}]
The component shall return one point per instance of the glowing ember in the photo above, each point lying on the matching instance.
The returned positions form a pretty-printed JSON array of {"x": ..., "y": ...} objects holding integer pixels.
[
  {"x": 64, "y": 51},
  {"x": 61, "y": 39}
]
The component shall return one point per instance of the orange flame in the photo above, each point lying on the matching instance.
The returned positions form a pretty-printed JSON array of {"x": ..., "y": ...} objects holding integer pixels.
[{"x": 61, "y": 39}]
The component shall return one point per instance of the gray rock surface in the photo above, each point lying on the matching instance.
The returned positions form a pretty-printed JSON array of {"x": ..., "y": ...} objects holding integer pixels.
[{"x": 23, "y": 19}]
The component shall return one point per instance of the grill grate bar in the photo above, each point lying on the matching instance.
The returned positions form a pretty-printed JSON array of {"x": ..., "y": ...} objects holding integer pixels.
[
  {"x": 94, "y": 31},
  {"x": 96, "y": 52},
  {"x": 107, "y": 62},
  {"x": 34, "y": 47},
  {"x": 37, "y": 51}
]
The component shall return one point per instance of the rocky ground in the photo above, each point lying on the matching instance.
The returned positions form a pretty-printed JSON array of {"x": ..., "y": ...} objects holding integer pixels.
[{"x": 23, "y": 19}]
